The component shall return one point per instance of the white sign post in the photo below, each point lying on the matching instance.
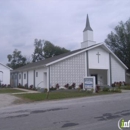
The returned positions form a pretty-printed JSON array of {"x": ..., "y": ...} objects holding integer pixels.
[{"x": 89, "y": 83}]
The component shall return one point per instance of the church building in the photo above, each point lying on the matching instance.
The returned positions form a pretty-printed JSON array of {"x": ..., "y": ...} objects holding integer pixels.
[
  {"x": 91, "y": 59},
  {"x": 4, "y": 75}
]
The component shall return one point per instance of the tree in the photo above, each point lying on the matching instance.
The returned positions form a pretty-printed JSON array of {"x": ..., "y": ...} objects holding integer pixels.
[
  {"x": 119, "y": 42},
  {"x": 16, "y": 59},
  {"x": 38, "y": 51},
  {"x": 51, "y": 50},
  {"x": 45, "y": 49}
]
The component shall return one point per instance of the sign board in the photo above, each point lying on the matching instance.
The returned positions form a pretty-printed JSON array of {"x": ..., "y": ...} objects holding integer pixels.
[{"x": 89, "y": 83}]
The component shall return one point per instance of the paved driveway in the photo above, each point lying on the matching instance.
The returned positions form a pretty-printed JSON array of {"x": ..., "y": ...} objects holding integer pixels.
[{"x": 7, "y": 100}]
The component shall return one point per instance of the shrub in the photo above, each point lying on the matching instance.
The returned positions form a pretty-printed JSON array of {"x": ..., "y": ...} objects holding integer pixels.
[
  {"x": 57, "y": 86},
  {"x": 89, "y": 91},
  {"x": 26, "y": 85},
  {"x": 105, "y": 89},
  {"x": 113, "y": 85},
  {"x": 31, "y": 86},
  {"x": 116, "y": 90},
  {"x": 81, "y": 86},
  {"x": 52, "y": 88},
  {"x": 66, "y": 86},
  {"x": 70, "y": 87},
  {"x": 97, "y": 89},
  {"x": 73, "y": 85}
]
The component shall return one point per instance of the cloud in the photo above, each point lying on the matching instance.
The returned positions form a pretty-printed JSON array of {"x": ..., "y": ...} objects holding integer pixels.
[{"x": 60, "y": 22}]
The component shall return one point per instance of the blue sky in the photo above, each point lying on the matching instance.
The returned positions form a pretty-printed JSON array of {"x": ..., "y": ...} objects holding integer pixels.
[{"x": 58, "y": 21}]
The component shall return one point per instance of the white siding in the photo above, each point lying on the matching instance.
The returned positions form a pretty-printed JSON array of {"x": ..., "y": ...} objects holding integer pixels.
[
  {"x": 30, "y": 77},
  {"x": 118, "y": 71},
  {"x": 24, "y": 80},
  {"x": 101, "y": 76},
  {"x": 5, "y": 76},
  {"x": 71, "y": 70},
  {"x": 103, "y": 59},
  {"x": 39, "y": 81}
]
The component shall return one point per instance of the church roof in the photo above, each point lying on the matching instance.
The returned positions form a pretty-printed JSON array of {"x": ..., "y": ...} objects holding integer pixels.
[
  {"x": 49, "y": 60},
  {"x": 55, "y": 59},
  {"x": 87, "y": 25},
  {"x": 6, "y": 66}
]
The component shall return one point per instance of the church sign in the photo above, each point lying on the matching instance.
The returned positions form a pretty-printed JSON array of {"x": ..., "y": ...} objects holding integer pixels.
[{"x": 89, "y": 83}]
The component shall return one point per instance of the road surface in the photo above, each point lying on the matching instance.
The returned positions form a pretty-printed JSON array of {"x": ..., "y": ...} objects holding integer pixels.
[{"x": 88, "y": 113}]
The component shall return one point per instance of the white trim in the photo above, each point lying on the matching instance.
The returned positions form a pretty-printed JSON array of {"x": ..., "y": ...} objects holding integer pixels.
[
  {"x": 73, "y": 54},
  {"x": 85, "y": 64},
  {"x": 31, "y": 68},
  {"x": 115, "y": 56},
  {"x": 86, "y": 50},
  {"x": 6, "y": 66}
]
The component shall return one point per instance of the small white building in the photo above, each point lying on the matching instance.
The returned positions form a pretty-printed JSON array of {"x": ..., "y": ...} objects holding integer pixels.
[
  {"x": 91, "y": 60},
  {"x": 4, "y": 74}
]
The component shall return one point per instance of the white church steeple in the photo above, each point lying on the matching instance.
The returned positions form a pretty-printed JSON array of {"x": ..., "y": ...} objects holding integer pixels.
[{"x": 87, "y": 35}]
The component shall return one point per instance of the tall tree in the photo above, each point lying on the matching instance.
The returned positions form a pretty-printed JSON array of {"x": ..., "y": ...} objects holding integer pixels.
[
  {"x": 45, "y": 49},
  {"x": 51, "y": 50},
  {"x": 119, "y": 41},
  {"x": 38, "y": 51},
  {"x": 16, "y": 59}
]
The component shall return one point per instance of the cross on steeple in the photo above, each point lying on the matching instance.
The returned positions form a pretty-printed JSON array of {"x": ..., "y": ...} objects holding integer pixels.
[{"x": 98, "y": 56}]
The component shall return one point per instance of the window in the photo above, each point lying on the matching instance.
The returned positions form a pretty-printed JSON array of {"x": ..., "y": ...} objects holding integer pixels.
[
  {"x": 36, "y": 74},
  {"x": 24, "y": 76},
  {"x": 19, "y": 76}
]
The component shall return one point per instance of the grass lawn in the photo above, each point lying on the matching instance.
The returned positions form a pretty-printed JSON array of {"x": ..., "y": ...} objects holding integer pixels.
[
  {"x": 125, "y": 87},
  {"x": 58, "y": 95},
  {"x": 9, "y": 90}
]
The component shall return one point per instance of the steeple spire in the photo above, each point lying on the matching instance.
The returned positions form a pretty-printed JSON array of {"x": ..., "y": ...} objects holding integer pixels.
[{"x": 87, "y": 25}]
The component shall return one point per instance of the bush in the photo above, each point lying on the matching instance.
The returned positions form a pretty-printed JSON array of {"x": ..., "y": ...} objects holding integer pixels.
[
  {"x": 73, "y": 85},
  {"x": 97, "y": 89},
  {"x": 70, "y": 87},
  {"x": 57, "y": 86},
  {"x": 66, "y": 86},
  {"x": 31, "y": 86},
  {"x": 116, "y": 90},
  {"x": 126, "y": 87},
  {"x": 52, "y": 88},
  {"x": 105, "y": 89},
  {"x": 81, "y": 86},
  {"x": 89, "y": 91}
]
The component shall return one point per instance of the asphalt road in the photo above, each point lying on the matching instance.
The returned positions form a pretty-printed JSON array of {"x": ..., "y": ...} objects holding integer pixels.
[{"x": 90, "y": 113}]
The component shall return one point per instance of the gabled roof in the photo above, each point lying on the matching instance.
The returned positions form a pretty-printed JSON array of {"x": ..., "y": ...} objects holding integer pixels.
[
  {"x": 87, "y": 25},
  {"x": 61, "y": 57},
  {"x": 6, "y": 66},
  {"x": 50, "y": 60}
]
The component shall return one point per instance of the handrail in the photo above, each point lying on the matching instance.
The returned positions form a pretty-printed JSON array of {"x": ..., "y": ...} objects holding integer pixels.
[{"x": 40, "y": 83}]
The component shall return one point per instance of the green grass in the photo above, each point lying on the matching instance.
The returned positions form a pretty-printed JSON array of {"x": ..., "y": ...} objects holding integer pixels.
[
  {"x": 9, "y": 90},
  {"x": 125, "y": 87},
  {"x": 58, "y": 95}
]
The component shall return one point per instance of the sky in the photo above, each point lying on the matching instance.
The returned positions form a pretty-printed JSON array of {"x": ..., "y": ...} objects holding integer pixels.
[{"x": 59, "y": 21}]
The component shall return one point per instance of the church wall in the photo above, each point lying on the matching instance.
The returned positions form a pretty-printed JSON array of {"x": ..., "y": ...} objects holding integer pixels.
[
  {"x": 102, "y": 62},
  {"x": 71, "y": 70},
  {"x": 101, "y": 76},
  {"x": 30, "y": 77},
  {"x": 118, "y": 71},
  {"x": 5, "y": 76},
  {"x": 24, "y": 79},
  {"x": 19, "y": 79},
  {"x": 39, "y": 80},
  {"x": 88, "y": 35}
]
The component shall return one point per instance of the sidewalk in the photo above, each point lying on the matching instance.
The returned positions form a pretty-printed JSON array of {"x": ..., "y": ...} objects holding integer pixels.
[
  {"x": 125, "y": 91},
  {"x": 26, "y": 91}
]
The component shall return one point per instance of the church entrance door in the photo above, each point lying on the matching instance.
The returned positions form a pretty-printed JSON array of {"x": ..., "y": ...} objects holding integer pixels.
[{"x": 95, "y": 75}]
